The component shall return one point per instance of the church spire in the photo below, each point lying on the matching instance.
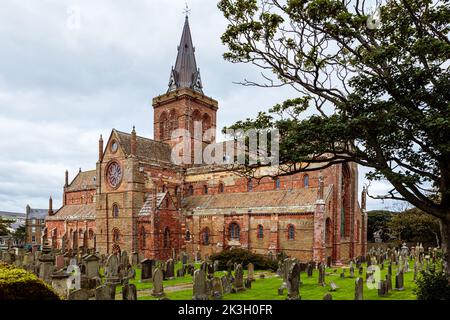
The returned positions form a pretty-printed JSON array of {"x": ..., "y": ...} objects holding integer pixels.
[{"x": 185, "y": 74}]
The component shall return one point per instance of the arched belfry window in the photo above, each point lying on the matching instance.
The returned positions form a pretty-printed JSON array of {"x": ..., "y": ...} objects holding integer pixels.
[
  {"x": 260, "y": 232},
  {"x": 163, "y": 125},
  {"x": 235, "y": 231}
]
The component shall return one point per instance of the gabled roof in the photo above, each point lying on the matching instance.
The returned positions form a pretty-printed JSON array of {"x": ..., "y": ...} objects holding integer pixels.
[
  {"x": 186, "y": 74},
  {"x": 147, "y": 149},
  {"x": 298, "y": 200},
  {"x": 83, "y": 180},
  {"x": 12, "y": 215},
  {"x": 147, "y": 208},
  {"x": 75, "y": 212}
]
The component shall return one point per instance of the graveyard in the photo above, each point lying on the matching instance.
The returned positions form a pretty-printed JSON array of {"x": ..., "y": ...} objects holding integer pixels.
[{"x": 389, "y": 274}]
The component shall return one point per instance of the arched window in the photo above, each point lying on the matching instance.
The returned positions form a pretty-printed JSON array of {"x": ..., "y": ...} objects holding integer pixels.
[
  {"x": 91, "y": 234},
  {"x": 205, "y": 189},
  {"x": 249, "y": 185},
  {"x": 173, "y": 118},
  {"x": 166, "y": 237},
  {"x": 235, "y": 231},
  {"x": 277, "y": 183},
  {"x": 306, "y": 181},
  {"x": 143, "y": 237},
  {"x": 291, "y": 232},
  {"x": 116, "y": 235},
  {"x": 260, "y": 232},
  {"x": 205, "y": 236},
  {"x": 190, "y": 190},
  {"x": 163, "y": 125},
  {"x": 80, "y": 234},
  {"x": 188, "y": 236},
  {"x": 221, "y": 188},
  {"x": 115, "y": 210}
]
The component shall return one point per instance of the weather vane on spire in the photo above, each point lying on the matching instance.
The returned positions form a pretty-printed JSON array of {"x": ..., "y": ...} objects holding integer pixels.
[{"x": 186, "y": 10}]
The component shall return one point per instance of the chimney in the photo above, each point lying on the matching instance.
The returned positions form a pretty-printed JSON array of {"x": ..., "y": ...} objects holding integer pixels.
[
  {"x": 363, "y": 198},
  {"x": 320, "y": 191},
  {"x": 100, "y": 148},
  {"x": 133, "y": 142},
  {"x": 66, "y": 184},
  {"x": 155, "y": 194},
  {"x": 50, "y": 206},
  {"x": 28, "y": 210}
]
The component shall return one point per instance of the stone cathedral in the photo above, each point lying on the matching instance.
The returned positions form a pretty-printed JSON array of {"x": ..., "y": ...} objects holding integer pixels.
[{"x": 137, "y": 199}]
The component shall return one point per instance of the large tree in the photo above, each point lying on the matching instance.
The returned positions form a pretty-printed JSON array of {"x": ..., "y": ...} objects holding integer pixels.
[{"x": 379, "y": 85}]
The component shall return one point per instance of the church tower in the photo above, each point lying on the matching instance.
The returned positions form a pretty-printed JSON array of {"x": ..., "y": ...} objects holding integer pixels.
[{"x": 184, "y": 105}]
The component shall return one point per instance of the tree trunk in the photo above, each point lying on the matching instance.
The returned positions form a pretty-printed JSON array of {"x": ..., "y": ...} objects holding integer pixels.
[{"x": 445, "y": 236}]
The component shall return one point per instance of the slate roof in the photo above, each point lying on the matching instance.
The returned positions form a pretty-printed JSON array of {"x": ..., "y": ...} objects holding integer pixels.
[
  {"x": 37, "y": 213},
  {"x": 301, "y": 200},
  {"x": 186, "y": 74},
  {"x": 83, "y": 180},
  {"x": 12, "y": 215},
  {"x": 147, "y": 208},
  {"x": 75, "y": 212},
  {"x": 147, "y": 149}
]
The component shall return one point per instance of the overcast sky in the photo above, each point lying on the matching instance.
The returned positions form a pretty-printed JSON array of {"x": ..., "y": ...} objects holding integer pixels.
[{"x": 72, "y": 70}]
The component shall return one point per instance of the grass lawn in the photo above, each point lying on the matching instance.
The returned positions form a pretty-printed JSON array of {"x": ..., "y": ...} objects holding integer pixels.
[{"x": 266, "y": 289}]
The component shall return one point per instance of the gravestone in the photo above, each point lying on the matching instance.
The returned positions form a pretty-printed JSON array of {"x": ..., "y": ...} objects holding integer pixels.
[
  {"x": 59, "y": 283},
  {"x": 80, "y": 294},
  {"x": 199, "y": 288},
  {"x": 342, "y": 275},
  {"x": 59, "y": 262},
  {"x": 217, "y": 288},
  {"x": 359, "y": 285},
  {"x": 158, "y": 288},
  {"x": 134, "y": 259},
  {"x": 129, "y": 292},
  {"x": 92, "y": 263},
  {"x": 333, "y": 286},
  {"x": 146, "y": 270},
  {"x": 294, "y": 282},
  {"x": 388, "y": 282},
  {"x": 399, "y": 281},
  {"x": 170, "y": 269},
  {"x": 352, "y": 272},
  {"x": 322, "y": 275},
  {"x": 184, "y": 258},
  {"x": 105, "y": 292},
  {"x": 226, "y": 284},
  {"x": 327, "y": 296},
  {"x": 309, "y": 270},
  {"x": 112, "y": 270},
  {"x": 239, "y": 278},
  {"x": 250, "y": 271},
  {"x": 382, "y": 288},
  {"x": 247, "y": 283},
  {"x": 46, "y": 264}
]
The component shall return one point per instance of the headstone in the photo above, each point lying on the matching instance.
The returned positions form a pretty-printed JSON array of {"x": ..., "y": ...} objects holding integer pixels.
[
  {"x": 333, "y": 286},
  {"x": 226, "y": 284},
  {"x": 112, "y": 270},
  {"x": 158, "y": 288},
  {"x": 80, "y": 294},
  {"x": 129, "y": 292},
  {"x": 146, "y": 270},
  {"x": 105, "y": 292},
  {"x": 352, "y": 272},
  {"x": 382, "y": 288},
  {"x": 239, "y": 278},
  {"x": 309, "y": 270},
  {"x": 399, "y": 281},
  {"x": 250, "y": 271},
  {"x": 359, "y": 285},
  {"x": 170, "y": 269},
  {"x": 328, "y": 296},
  {"x": 322, "y": 275},
  {"x": 199, "y": 288},
  {"x": 294, "y": 282},
  {"x": 59, "y": 283},
  {"x": 388, "y": 282},
  {"x": 92, "y": 263},
  {"x": 217, "y": 288},
  {"x": 184, "y": 258}
]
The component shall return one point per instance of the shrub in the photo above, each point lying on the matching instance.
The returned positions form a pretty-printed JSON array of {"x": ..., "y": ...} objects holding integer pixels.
[
  {"x": 244, "y": 257},
  {"x": 432, "y": 285},
  {"x": 18, "y": 284}
]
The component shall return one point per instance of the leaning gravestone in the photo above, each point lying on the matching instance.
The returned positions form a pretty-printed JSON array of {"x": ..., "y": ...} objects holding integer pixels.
[
  {"x": 359, "y": 289},
  {"x": 158, "y": 288},
  {"x": 199, "y": 288}
]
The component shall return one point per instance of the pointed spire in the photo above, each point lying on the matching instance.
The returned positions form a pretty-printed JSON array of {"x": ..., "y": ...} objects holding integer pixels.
[
  {"x": 66, "y": 182},
  {"x": 185, "y": 74},
  {"x": 133, "y": 142},
  {"x": 100, "y": 148},
  {"x": 50, "y": 206}
]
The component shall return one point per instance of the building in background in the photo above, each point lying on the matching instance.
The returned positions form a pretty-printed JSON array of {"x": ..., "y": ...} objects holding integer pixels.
[{"x": 34, "y": 226}]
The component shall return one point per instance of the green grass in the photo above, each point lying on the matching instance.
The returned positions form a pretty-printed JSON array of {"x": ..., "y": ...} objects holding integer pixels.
[{"x": 267, "y": 289}]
